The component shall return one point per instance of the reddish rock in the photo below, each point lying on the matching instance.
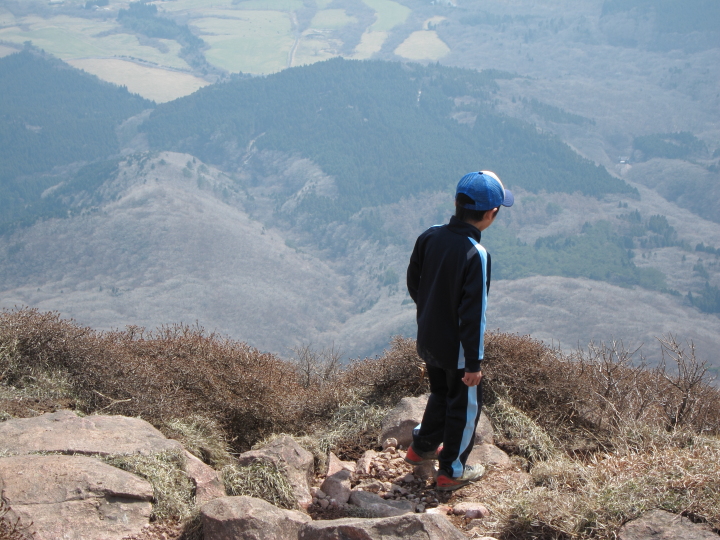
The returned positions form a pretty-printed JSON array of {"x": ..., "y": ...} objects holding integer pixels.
[
  {"x": 67, "y": 433},
  {"x": 364, "y": 463},
  {"x": 207, "y": 482},
  {"x": 248, "y": 518},
  {"x": 289, "y": 456},
  {"x": 661, "y": 525},
  {"x": 335, "y": 464},
  {"x": 400, "y": 422},
  {"x": 408, "y": 526},
  {"x": 488, "y": 454},
  {"x": 74, "y": 497},
  {"x": 379, "y": 507},
  {"x": 470, "y": 510},
  {"x": 484, "y": 432},
  {"x": 337, "y": 486}
]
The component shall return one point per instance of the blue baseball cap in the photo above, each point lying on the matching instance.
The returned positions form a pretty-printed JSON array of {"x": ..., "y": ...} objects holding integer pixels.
[{"x": 486, "y": 189}]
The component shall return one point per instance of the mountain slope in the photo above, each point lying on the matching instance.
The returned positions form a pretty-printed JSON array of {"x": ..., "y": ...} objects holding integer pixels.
[
  {"x": 53, "y": 115},
  {"x": 382, "y": 130},
  {"x": 162, "y": 246}
]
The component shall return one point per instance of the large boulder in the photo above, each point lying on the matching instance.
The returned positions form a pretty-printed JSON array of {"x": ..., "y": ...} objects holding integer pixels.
[
  {"x": 400, "y": 422},
  {"x": 290, "y": 457},
  {"x": 661, "y": 525},
  {"x": 405, "y": 527},
  {"x": 376, "y": 506},
  {"x": 74, "y": 497},
  {"x": 248, "y": 518},
  {"x": 67, "y": 433}
]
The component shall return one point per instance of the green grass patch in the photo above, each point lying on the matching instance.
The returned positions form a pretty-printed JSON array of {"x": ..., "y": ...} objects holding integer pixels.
[
  {"x": 331, "y": 19},
  {"x": 389, "y": 14},
  {"x": 70, "y": 37},
  {"x": 257, "y": 43}
]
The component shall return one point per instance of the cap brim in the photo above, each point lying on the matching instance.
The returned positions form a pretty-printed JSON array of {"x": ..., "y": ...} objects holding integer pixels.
[{"x": 509, "y": 198}]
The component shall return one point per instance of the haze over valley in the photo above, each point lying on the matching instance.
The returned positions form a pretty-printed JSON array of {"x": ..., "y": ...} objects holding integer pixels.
[{"x": 279, "y": 206}]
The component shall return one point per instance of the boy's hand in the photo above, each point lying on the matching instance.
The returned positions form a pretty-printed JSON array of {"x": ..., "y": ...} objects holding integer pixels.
[{"x": 472, "y": 379}]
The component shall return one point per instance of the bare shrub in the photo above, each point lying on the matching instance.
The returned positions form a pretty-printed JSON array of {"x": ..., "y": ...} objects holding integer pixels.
[
  {"x": 396, "y": 374},
  {"x": 687, "y": 399},
  {"x": 588, "y": 399},
  {"x": 181, "y": 373},
  {"x": 11, "y": 529}
]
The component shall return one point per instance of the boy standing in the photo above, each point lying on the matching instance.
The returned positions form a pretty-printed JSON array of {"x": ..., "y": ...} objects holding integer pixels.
[{"x": 448, "y": 278}]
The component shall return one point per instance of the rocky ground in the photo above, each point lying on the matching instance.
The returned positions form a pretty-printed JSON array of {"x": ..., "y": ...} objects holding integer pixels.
[{"x": 97, "y": 477}]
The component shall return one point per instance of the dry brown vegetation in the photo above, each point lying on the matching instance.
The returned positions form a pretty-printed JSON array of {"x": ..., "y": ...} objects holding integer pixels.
[
  {"x": 603, "y": 436},
  {"x": 180, "y": 372}
]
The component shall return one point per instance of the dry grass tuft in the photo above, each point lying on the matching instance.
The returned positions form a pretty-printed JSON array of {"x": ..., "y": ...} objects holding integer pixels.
[
  {"x": 574, "y": 500},
  {"x": 263, "y": 480},
  {"x": 173, "y": 489},
  {"x": 200, "y": 436},
  {"x": 518, "y": 433}
]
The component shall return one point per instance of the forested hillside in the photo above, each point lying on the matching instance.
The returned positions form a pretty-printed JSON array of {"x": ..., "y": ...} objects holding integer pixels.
[
  {"x": 382, "y": 130},
  {"x": 52, "y": 115}
]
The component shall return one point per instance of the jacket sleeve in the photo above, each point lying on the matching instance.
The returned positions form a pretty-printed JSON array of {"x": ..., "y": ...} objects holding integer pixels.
[
  {"x": 413, "y": 272},
  {"x": 472, "y": 307}
]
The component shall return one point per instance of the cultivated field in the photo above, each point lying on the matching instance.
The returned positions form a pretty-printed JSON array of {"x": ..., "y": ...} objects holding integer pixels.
[
  {"x": 389, "y": 14},
  {"x": 251, "y": 41},
  {"x": 157, "y": 84},
  {"x": 423, "y": 45},
  {"x": 71, "y": 38}
]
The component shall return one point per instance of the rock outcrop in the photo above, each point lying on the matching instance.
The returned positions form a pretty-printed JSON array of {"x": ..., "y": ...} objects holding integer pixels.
[
  {"x": 405, "y": 527},
  {"x": 207, "y": 482},
  {"x": 248, "y": 518},
  {"x": 74, "y": 497},
  {"x": 376, "y": 506},
  {"x": 65, "y": 432},
  {"x": 662, "y": 525}
]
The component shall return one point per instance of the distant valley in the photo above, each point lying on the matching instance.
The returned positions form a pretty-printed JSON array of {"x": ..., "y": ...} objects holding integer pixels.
[{"x": 209, "y": 209}]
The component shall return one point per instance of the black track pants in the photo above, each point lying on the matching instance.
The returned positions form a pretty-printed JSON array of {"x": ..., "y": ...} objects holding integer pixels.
[{"x": 450, "y": 418}]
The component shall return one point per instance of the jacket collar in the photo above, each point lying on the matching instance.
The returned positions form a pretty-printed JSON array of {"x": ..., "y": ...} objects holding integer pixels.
[{"x": 464, "y": 229}]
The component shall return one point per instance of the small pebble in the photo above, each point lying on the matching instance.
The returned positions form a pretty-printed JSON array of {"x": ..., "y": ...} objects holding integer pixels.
[
  {"x": 320, "y": 494},
  {"x": 408, "y": 478},
  {"x": 324, "y": 503},
  {"x": 388, "y": 443}
]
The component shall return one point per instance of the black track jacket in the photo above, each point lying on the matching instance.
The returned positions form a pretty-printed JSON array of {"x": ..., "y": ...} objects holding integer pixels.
[{"x": 449, "y": 278}]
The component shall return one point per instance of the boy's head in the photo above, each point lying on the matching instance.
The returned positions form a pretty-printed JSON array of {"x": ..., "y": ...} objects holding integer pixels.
[{"x": 478, "y": 192}]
